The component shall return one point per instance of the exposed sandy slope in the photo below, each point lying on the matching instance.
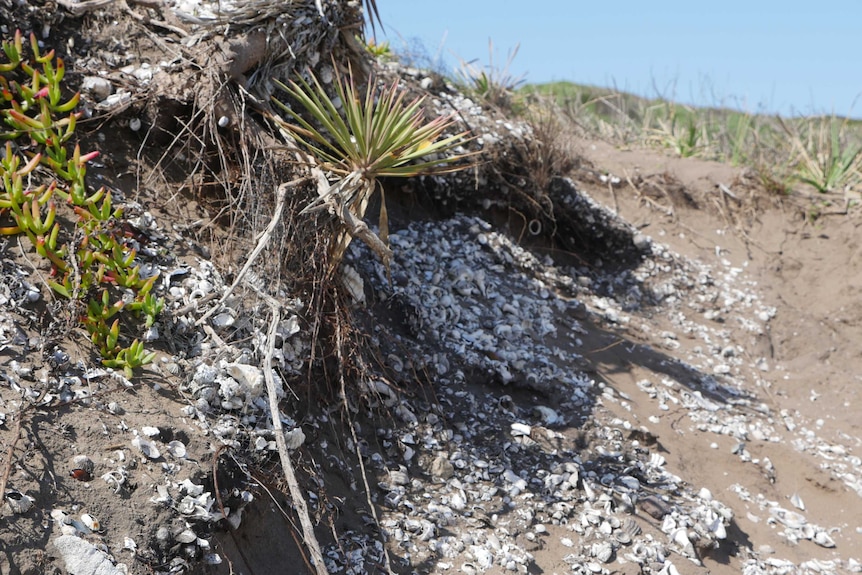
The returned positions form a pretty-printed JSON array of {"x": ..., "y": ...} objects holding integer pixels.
[{"x": 810, "y": 272}]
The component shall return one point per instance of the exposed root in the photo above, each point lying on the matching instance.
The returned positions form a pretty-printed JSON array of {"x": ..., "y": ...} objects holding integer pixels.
[{"x": 262, "y": 240}]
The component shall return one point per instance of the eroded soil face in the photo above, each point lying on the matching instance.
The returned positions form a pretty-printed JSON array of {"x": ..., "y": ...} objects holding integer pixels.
[{"x": 677, "y": 397}]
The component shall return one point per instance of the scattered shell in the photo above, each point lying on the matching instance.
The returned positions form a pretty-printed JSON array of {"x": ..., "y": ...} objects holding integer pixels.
[
  {"x": 177, "y": 449},
  {"x": 352, "y": 282},
  {"x": 788, "y": 518},
  {"x": 61, "y": 516},
  {"x": 398, "y": 477},
  {"x": 395, "y": 362},
  {"x": 91, "y": 522},
  {"x": 99, "y": 87},
  {"x": 224, "y": 319},
  {"x": 823, "y": 539},
  {"x": 249, "y": 377},
  {"x": 186, "y": 536},
  {"x": 548, "y": 415},
  {"x": 212, "y": 559},
  {"x": 189, "y": 487},
  {"x": 294, "y": 438},
  {"x": 654, "y": 506},
  {"x": 797, "y": 502},
  {"x": 83, "y": 463},
  {"x": 603, "y": 551},
  {"x": 442, "y": 468},
  {"x": 150, "y": 431},
  {"x": 146, "y": 447},
  {"x": 18, "y": 502},
  {"x": 80, "y": 474}
]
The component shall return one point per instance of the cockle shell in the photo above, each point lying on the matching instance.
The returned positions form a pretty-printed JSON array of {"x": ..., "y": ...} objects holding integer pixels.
[{"x": 177, "y": 449}]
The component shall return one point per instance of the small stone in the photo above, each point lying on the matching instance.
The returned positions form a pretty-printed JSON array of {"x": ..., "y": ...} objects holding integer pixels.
[
  {"x": 442, "y": 468},
  {"x": 654, "y": 506}
]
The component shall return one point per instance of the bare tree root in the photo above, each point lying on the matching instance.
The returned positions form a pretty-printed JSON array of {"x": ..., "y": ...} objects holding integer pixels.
[{"x": 262, "y": 240}]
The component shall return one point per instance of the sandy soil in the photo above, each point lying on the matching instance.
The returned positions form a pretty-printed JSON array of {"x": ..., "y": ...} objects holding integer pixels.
[{"x": 807, "y": 270}]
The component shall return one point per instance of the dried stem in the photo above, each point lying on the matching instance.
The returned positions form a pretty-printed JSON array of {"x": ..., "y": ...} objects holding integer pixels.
[{"x": 7, "y": 466}]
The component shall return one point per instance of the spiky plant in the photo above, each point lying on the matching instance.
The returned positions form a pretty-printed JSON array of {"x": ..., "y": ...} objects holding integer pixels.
[
  {"x": 364, "y": 138},
  {"x": 492, "y": 84}
]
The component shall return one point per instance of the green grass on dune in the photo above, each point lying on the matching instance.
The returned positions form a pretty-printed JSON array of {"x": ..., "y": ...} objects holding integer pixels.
[{"x": 824, "y": 151}]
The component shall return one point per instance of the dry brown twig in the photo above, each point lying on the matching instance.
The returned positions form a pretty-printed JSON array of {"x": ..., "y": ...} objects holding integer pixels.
[{"x": 7, "y": 466}]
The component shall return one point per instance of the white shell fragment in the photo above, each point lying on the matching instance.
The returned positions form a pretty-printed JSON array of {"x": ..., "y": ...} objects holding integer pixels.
[
  {"x": 249, "y": 377},
  {"x": 352, "y": 282},
  {"x": 100, "y": 88},
  {"x": 129, "y": 544},
  {"x": 186, "y": 536},
  {"x": 548, "y": 415},
  {"x": 823, "y": 539},
  {"x": 18, "y": 502},
  {"x": 797, "y": 502},
  {"x": 90, "y": 522},
  {"x": 189, "y": 487},
  {"x": 146, "y": 447},
  {"x": 294, "y": 438},
  {"x": 224, "y": 319},
  {"x": 177, "y": 449}
]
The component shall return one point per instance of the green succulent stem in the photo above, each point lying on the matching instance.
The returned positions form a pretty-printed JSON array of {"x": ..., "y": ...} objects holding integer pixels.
[{"x": 32, "y": 107}]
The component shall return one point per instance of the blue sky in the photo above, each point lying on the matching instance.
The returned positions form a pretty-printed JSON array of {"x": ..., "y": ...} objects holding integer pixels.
[{"x": 759, "y": 55}]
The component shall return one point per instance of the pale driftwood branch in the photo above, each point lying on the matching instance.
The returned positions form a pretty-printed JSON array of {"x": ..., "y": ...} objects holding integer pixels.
[
  {"x": 78, "y": 8},
  {"x": 289, "y": 475},
  {"x": 359, "y": 229}
]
